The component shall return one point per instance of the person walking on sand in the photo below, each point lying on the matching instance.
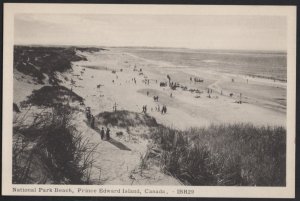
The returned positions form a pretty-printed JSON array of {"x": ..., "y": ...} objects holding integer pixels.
[
  {"x": 147, "y": 93},
  {"x": 144, "y": 109},
  {"x": 102, "y": 133},
  {"x": 107, "y": 134},
  {"x": 92, "y": 121}
]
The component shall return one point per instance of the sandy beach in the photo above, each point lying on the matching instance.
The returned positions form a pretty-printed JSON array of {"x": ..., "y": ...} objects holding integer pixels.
[
  {"x": 116, "y": 78},
  {"x": 261, "y": 98}
]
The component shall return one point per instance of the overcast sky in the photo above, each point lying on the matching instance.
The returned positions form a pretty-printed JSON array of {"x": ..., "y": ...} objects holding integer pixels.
[{"x": 189, "y": 31}]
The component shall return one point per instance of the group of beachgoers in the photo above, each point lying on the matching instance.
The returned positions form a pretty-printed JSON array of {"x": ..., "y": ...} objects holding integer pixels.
[
  {"x": 163, "y": 110},
  {"x": 105, "y": 135},
  {"x": 144, "y": 109}
]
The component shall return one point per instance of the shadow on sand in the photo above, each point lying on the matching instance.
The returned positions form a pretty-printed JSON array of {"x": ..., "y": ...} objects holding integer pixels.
[{"x": 118, "y": 144}]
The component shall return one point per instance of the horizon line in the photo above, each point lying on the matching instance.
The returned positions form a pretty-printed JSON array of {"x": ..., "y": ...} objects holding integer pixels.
[{"x": 152, "y": 47}]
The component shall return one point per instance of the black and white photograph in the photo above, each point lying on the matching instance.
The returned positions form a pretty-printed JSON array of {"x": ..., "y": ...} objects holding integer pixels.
[{"x": 169, "y": 101}]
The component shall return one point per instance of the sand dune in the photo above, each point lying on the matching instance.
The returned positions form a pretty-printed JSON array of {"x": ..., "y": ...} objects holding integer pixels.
[{"x": 113, "y": 77}]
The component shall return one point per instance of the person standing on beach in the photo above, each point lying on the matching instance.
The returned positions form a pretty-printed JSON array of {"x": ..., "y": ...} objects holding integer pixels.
[
  {"x": 102, "y": 133},
  {"x": 107, "y": 134},
  {"x": 145, "y": 109},
  {"x": 92, "y": 121}
]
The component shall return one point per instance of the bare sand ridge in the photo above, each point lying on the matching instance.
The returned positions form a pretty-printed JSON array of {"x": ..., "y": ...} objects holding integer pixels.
[{"x": 107, "y": 78}]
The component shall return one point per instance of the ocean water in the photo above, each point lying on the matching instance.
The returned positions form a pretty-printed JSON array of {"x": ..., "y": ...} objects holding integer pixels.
[{"x": 271, "y": 65}]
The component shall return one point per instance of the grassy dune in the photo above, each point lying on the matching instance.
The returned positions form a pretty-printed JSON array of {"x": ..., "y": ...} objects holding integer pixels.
[
  {"x": 237, "y": 154},
  {"x": 51, "y": 150},
  {"x": 51, "y": 95},
  {"x": 40, "y": 61}
]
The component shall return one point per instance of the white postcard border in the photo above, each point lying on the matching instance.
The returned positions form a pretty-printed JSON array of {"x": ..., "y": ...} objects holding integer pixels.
[{"x": 199, "y": 191}]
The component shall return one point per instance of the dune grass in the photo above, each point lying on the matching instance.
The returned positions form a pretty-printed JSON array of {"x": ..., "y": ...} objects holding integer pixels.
[
  {"x": 50, "y": 150},
  {"x": 51, "y": 95},
  {"x": 124, "y": 118},
  {"x": 37, "y": 61},
  {"x": 225, "y": 155}
]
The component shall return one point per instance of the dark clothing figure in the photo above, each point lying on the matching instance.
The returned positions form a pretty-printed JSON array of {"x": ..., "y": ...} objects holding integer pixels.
[
  {"x": 102, "y": 133},
  {"x": 164, "y": 110},
  {"x": 88, "y": 115},
  {"x": 144, "y": 108},
  {"x": 107, "y": 134},
  {"x": 92, "y": 121},
  {"x": 147, "y": 93}
]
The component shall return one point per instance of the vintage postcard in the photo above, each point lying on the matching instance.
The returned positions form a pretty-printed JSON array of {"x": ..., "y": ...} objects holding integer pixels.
[{"x": 149, "y": 100}]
